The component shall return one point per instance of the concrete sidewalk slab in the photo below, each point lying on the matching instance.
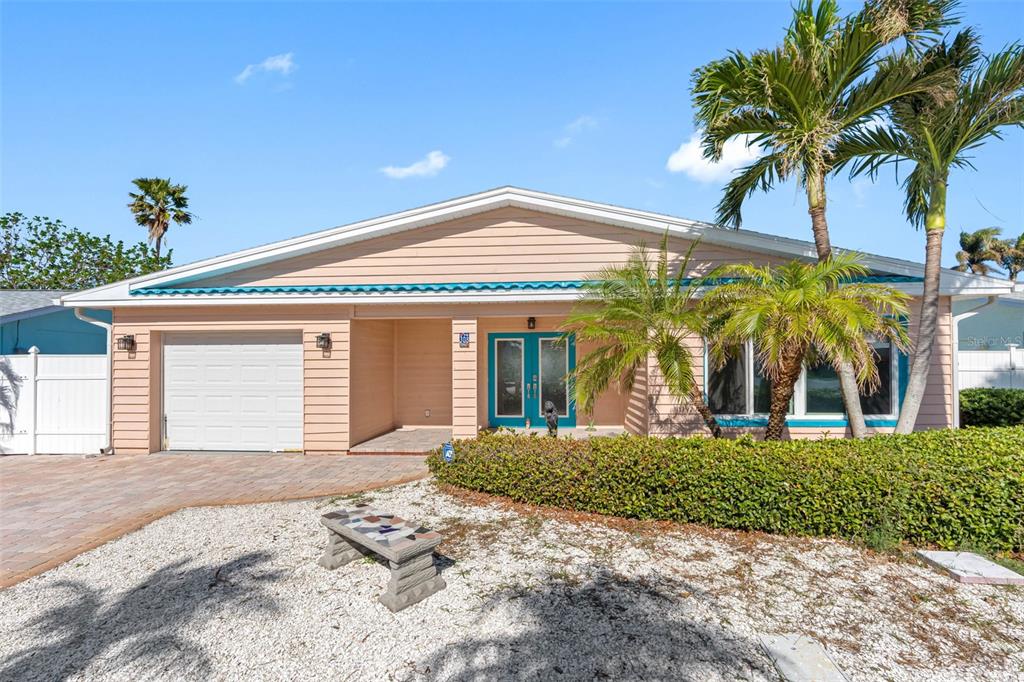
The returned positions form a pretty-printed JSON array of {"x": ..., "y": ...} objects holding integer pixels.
[{"x": 967, "y": 567}]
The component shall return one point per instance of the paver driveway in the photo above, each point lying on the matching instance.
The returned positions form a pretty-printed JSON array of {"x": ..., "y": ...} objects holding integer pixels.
[{"x": 55, "y": 507}]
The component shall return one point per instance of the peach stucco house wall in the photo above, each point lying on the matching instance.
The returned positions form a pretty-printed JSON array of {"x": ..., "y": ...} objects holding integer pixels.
[{"x": 413, "y": 304}]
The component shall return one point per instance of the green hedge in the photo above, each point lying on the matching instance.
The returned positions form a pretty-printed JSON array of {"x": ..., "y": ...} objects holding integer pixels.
[
  {"x": 948, "y": 488},
  {"x": 992, "y": 407}
]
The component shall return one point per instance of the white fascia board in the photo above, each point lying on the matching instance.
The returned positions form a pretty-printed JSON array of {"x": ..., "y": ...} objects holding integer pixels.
[{"x": 342, "y": 299}]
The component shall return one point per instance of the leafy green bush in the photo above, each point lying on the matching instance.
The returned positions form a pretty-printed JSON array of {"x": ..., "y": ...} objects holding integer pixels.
[
  {"x": 948, "y": 488},
  {"x": 992, "y": 407}
]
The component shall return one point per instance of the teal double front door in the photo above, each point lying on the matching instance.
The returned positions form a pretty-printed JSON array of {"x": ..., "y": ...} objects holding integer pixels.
[{"x": 526, "y": 370}]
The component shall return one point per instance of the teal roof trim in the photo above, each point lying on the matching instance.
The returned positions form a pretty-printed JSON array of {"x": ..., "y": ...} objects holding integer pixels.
[
  {"x": 364, "y": 288},
  {"x": 440, "y": 287}
]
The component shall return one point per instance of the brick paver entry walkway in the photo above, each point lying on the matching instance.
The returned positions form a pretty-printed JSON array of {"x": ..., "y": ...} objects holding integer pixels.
[{"x": 55, "y": 507}]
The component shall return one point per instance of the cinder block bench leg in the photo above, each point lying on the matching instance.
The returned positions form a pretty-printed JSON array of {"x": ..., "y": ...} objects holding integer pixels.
[
  {"x": 412, "y": 581},
  {"x": 338, "y": 552}
]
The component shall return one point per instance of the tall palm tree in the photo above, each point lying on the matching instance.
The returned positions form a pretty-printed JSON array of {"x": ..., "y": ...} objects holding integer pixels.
[
  {"x": 937, "y": 134},
  {"x": 797, "y": 313},
  {"x": 796, "y": 100},
  {"x": 635, "y": 311},
  {"x": 977, "y": 250},
  {"x": 1011, "y": 256},
  {"x": 157, "y": 204}
]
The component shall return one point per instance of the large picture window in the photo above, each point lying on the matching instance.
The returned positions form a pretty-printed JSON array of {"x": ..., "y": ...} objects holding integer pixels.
[{"x": 739, "y": 388}]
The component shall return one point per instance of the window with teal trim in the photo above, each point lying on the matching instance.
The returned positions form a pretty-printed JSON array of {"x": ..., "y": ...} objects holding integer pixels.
[{"x": 739, "y": 389}]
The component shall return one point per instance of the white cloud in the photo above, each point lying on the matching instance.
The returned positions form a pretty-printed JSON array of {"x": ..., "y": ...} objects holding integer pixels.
[
  {"x": 427, "y": 167},
  {"x": 689, "y": 159},
  {"x": 283, "y": 64},
  {"x": 574, "y": 129},
  {"x": 860, "y": 188}
]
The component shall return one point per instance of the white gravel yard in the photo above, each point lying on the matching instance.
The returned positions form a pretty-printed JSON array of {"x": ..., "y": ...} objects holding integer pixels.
[{"x": 235, "y": 593}]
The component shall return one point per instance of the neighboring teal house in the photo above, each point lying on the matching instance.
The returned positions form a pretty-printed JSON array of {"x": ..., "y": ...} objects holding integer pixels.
[
  {"x": 995, "y": 326},
  {"x": 30, "y": 318}
]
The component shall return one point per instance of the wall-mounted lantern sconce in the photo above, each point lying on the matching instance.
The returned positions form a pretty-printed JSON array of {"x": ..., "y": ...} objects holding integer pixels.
[
  {"x": 531, "y": 323},
  {"x": 323, "y": 341},
  {"x": 126, "y": 342}
]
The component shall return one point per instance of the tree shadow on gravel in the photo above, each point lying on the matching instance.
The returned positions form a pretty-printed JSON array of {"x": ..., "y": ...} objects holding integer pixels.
[
  {"x": 608, "y": 628},
  {"x": 141, "y": 628}
]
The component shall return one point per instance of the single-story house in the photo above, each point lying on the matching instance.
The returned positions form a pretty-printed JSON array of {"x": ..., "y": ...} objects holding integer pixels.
[
  {"x": 34, "y": 318},
  {"x": 444, "y": 315}
]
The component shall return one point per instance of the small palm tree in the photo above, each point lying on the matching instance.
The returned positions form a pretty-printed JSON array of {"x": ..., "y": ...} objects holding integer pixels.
[
  {"x": 937, "y": 134},
  {"x": 977, "y": 250},
  {"x": 796, "y": 100},
  {"x": 635, "y": 311},
  {"x": 157, "y": 204},
  {"x": 798, "y": 313},
  {"x": 1011, "y": 256}
]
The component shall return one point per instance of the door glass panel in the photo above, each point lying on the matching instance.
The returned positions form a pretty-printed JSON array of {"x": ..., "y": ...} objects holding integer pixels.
[
  {"x": 554, "y": 365},
  {"x": 509, "y": 380}
]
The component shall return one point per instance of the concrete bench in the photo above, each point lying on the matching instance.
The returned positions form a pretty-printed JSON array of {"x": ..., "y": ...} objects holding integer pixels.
[{"x": 407, "y": 548}]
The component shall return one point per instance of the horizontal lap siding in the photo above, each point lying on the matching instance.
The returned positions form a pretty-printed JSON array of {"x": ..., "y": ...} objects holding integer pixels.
[
  {"x": 131, "y": 389},
  {"x": 424, "y": 373},
  {"x": 373, "y": 381},
  {"x": 937, "y": 406},
  {"x": 669, "y": 415},
  {"x": 506, "y": 244},
  {"x": 137, "y": 390}
]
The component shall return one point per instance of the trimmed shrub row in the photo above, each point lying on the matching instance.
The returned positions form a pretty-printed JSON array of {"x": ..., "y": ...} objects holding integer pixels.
[
  {"x": 992, "y": 407},
  {"x": 948, "y": 488}
]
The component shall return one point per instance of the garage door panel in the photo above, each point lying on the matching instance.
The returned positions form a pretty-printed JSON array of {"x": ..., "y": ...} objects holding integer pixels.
[{"x": 233, "y": 391}]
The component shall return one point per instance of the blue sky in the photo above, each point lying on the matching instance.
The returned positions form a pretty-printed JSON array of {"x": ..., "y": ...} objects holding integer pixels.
[{"x": 288, "y": 118}]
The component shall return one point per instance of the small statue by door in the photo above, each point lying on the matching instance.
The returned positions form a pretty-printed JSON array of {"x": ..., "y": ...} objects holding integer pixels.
[{"x": 551, "y": 417}]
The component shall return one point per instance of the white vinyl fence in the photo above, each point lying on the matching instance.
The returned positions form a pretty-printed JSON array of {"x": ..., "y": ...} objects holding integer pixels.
[
  {"x": 57, "y": 406},
  {"x": 991, "y": 368}
]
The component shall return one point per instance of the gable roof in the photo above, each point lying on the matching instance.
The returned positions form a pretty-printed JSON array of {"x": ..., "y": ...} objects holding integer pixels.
[
  {"x": 121, "y": 293},
  {"x": 18, "y": 304}
]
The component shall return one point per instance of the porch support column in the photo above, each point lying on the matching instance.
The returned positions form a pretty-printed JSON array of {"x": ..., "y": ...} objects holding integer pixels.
[{"x": 464, "y": 377}]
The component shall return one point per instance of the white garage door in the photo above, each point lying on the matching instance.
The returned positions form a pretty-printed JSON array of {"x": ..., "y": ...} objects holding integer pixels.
[{"x": 233, "y": 391}]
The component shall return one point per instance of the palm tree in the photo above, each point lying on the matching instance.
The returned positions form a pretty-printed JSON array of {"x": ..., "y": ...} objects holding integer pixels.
[
  {"x": 1011, "y": 256},
  {"x": 797, "y": 313},
  {"x": 157, "y": 204},
  {"x": 635, "y": 311},
  {"x": 937, "y": 134},
  {"x": 794, "y": 102},
  {"x": 977, "y": 250}
]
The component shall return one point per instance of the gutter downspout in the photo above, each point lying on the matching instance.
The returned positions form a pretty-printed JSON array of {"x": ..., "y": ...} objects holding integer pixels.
[
  {"x": 956, "y": 354},
  {"x": 107, "y": 413}
]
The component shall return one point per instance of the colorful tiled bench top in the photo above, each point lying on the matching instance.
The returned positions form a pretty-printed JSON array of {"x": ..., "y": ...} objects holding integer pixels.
[{"x": 388, "y": 534}]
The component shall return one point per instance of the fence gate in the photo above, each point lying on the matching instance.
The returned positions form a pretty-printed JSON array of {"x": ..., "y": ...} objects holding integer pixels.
[
  {"x": 56, "y": 404},
  {"x": 991, "y": 368}
]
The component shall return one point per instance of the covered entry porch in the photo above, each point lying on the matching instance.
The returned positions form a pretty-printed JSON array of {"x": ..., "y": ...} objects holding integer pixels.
[{"x": 418, "y": 380}]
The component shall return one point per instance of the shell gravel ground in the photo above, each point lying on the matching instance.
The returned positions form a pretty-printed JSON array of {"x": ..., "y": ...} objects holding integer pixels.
[{"x": 235, "y": 593}]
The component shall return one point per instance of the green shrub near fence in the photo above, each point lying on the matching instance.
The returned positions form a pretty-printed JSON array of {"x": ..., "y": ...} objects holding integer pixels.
[
  {"x": 992, "y": 407},
  {"x": 948, "y": 488}
]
